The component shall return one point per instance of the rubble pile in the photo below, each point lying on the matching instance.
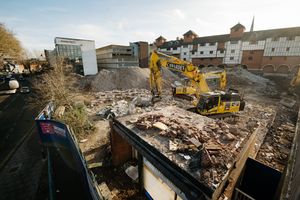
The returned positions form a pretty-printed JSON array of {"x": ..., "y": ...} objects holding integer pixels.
[
  {"x": 239, "y": 76},
  {"x": 123, "y": 79},
  {"x": 117, "y": 95},
  {"x": 208, "y": 150},
  {"x": 276, "y": 148}
]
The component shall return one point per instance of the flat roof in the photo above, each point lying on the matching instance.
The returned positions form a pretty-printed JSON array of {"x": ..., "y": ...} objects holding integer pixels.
[{"x": 64, "y": 38}]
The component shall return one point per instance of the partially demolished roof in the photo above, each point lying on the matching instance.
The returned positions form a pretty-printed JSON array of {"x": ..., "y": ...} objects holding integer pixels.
[{"x": 203, "y": 149}]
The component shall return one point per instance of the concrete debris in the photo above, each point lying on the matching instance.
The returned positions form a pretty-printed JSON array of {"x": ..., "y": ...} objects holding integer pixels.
[
  {"x": 106, "y": 113},
  {"x": 132, "y": 172},
  {"x": 142, "y": 101},
  {"x": 288, "y": 102},
  {"x": 239, "y": 76},
  {"x": 276, "y": 148},
  {"x": 160, "y": 126},
  {"x": 83, "y": 140}
]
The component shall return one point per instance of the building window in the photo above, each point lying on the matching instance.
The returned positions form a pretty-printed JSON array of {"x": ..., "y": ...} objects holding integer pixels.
[
  {"x": 270, "y": 58},
  {"x": 288, "y": 49},
  {"x": 174, "y": 48},
  {"x": 202, "y": 44},
  {"x": 201, "y": 52},
  {"x": 291, "y": 38},
  {"x": 168, "y": 49},
  {"x": 250, "y": 58},
  {"x": 193, "y": 52},
  {"x": 221, "y": 51},
  {"x": 184, "y": 53},
  {"x": 231, "y": 58},
  {"x": 212, "y": 43},
  {"x": 233, "y": 42},
  {"x": 185, "y": 46},
  {"x": 251, "y": 52},
  {"x": 232, "y": 51},
  {"x": 211, "y": 52},
  {"x": 273, "y": 49},
  {"x": 275, "y": 39}
]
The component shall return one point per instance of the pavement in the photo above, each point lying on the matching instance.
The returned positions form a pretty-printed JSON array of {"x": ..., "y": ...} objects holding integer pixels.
[{"x": 21, "y": 161}]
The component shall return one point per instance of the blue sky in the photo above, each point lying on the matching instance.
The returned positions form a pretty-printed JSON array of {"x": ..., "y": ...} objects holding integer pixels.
[{"x": 37, "y": 22}]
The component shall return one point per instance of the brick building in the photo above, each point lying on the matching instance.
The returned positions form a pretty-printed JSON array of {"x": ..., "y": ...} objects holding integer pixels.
[{"x": 269, "y": 51}]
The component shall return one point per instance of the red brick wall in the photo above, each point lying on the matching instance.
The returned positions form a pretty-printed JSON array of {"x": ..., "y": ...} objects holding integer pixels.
[
  {"x": 255, "y": 63},
  {"x": 143, "y": 54},
  {"x": 283, "y": 69},
  {"x": 280, "y": 61},
  {"x": 207, "y": 61},
  {"x": 236, "y": 34},
  {"x": 269, "y": 69},
  {"x": 188, "y": 38},
  {"x": 121, "y": 150}
]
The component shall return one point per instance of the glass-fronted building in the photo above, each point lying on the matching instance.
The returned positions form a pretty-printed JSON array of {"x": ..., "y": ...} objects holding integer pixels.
[
  {"x": 80, "y": 53},
  {"x": 72, "y": 52}
]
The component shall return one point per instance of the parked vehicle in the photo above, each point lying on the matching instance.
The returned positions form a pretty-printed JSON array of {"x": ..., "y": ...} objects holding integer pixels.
[{"x": 25, "y": 89}]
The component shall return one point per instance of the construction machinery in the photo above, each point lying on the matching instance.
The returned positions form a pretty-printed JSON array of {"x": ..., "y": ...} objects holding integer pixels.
[
  {"x": 213, "y": 77},
  {"x": 207, "y": 102},
  {"x": 295, "y": 82}
]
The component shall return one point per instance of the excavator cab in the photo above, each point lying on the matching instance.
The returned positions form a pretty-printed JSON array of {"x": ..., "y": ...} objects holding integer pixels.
[{"x": 219, "y": 103}]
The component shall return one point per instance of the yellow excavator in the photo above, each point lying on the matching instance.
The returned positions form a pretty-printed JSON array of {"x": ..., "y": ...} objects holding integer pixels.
[
  {"x": 212, "y": 78},
  {"x": 208, "y": 102},
  {"x": 295, "y": 82}
]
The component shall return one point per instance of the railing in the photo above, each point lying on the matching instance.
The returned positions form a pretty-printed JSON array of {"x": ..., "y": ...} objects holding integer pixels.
[{"x": 240, "y": 195}]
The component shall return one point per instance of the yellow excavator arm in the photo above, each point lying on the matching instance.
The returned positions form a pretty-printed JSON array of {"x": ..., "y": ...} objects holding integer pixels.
[{"x": 198, "y": 82}]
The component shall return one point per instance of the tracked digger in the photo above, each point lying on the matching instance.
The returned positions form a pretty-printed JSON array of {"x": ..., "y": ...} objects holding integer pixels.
[{"x": 207, "y": 101}]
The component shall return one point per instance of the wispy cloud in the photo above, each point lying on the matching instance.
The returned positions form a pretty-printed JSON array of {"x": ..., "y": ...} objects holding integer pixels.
[{"x": 179, "y": 13}]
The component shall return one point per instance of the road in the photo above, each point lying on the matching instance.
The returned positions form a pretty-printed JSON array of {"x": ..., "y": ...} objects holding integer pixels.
[{"x": 21, "y": 161}]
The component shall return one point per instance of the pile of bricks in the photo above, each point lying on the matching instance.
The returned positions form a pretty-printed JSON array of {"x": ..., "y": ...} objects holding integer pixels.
[
  {"x": 206, "y": 150},
  {"x": 276, "y": 149}
]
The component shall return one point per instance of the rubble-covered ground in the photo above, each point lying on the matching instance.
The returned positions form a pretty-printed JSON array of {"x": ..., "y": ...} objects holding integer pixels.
[
  {"x": 126, "y": 92},
  {"x": 206, "y": 148}
]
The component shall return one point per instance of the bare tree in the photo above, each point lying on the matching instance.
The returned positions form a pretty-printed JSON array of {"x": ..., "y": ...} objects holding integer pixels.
[
  {"x": 10, "y": 46},
  {"x": 52, "y": 86},
  {"x": 55, "y": 86}
]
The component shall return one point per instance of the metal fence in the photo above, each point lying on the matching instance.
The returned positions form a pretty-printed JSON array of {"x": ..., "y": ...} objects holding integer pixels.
[{"x": 240, "y": 195}]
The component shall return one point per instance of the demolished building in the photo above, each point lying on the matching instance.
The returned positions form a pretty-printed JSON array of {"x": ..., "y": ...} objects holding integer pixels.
[{"x": 182, "y": 155}]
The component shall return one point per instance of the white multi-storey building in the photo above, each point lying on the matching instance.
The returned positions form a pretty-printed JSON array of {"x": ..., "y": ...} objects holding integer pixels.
[{"x": 272, "y": 51}]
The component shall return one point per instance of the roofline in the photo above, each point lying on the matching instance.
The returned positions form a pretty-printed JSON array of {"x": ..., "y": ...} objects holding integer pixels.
[
  {"x": 65, "y": 38},
  {"x": 112, "y": 45},
  {"x": 248, "y": 32}
]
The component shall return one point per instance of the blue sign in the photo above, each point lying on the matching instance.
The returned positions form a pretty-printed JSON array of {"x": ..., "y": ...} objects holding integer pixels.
[{"x": 57, "y": 134}]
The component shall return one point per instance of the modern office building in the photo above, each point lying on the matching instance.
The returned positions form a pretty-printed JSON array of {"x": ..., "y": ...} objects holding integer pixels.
[
  {"x": 275, "y": 51},
  {"x": 80, "y": 53},
  {"x": 116, "y": 56}
]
